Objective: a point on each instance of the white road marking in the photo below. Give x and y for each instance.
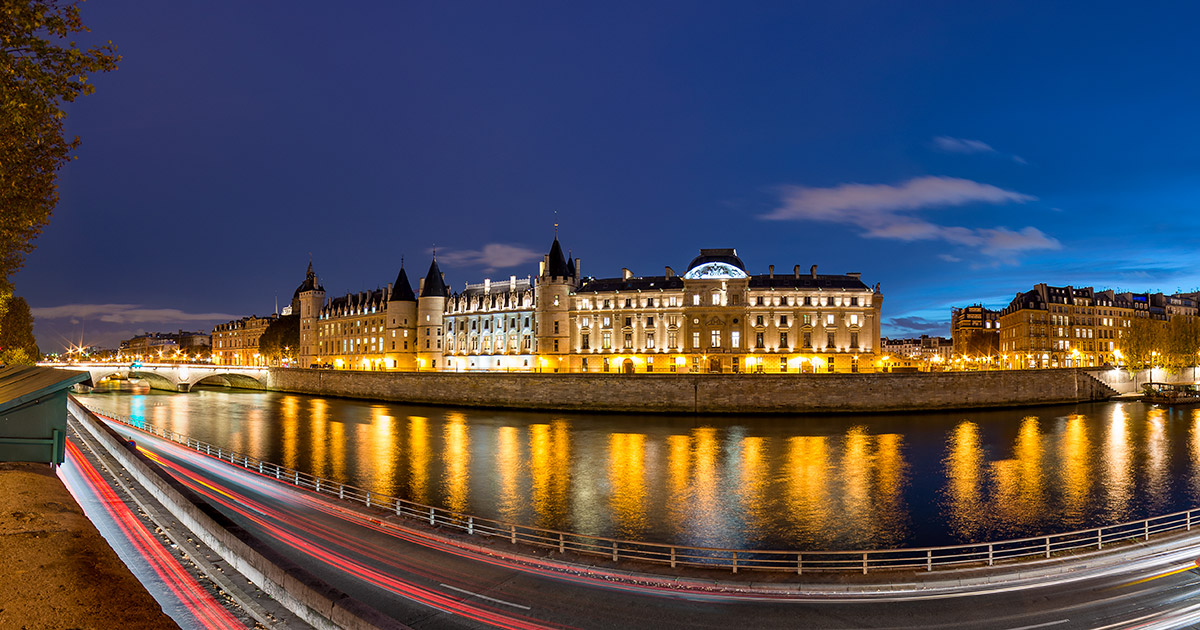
(1043, 625)
(490, 599)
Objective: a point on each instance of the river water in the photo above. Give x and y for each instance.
(790, 482)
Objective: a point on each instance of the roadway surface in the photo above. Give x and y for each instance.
(424, 583)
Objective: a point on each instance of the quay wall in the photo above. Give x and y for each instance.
(705, 393)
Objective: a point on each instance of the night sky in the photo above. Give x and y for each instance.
(955, 152)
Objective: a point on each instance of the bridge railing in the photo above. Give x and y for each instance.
(864, 561)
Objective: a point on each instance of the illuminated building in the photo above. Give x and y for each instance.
(236, 342)
(975, 331)
(715, 317)
(1077, 327)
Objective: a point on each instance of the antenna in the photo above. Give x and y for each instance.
(556, 225)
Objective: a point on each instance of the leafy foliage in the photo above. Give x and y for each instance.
(280, 340)
(17, 345)
(1144, 338)
(39, 72)
(1181, 345)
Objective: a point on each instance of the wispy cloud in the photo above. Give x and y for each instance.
(889, 211)
(969, 146)
(123, 314)
(961, 145)
(906, 326)
(493, 256)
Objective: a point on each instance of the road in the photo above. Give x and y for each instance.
(425, 583)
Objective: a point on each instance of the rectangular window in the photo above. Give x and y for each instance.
(587, 321)
(715, 339)
(628, 341)
(716, 299)
(556, 327)
(556, 345)
(627, 304)
(829, 341)
(854, 319)
(829, 320)
(807, 340)
(650, 341)
(649, 364)
(758, 321)
(606, 341)
(807, 300)
(628, 322)
(758, 301)
(696, 341)
(696, 300)
(672, 340)
(735, 339)
(585, 342)
(807, 320)
(783, 340)
(853, 301)
(607, 322)
(758, 340)
(650, 322)
(854, 340)
(783, 320)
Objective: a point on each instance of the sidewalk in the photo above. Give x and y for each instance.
(57, 570)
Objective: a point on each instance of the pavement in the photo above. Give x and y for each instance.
(57, 570)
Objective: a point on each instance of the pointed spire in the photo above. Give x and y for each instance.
(570, 263)
(557, 265)
(402, 289)
(434, 285)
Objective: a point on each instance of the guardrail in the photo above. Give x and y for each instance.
(916, 558)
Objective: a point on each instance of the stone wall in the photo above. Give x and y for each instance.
(704, 393)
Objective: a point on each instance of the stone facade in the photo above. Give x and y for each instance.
(706, 393)
(714, 318)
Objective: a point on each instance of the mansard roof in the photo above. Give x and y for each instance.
(434, 285)
(807, 281)
(401, 289)
(649, 283)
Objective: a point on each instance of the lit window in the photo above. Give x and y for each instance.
(735, 339)
(716, 299)
(715, 338)
(696, 340)
(696, 300)
(829, 320)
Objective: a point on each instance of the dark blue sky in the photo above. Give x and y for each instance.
(954, 152)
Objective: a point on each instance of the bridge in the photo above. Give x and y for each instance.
(175, 377)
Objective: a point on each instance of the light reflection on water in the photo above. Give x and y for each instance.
(807, 482)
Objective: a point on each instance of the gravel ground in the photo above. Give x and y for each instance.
(55, 568)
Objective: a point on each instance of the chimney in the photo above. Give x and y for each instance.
(855, 274)
(389, 291)
(670, 272)
(796, 271)
(771, 271)
(626, 273)
(813, 271)
(577, 271)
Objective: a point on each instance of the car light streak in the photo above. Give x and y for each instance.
(264, 517)
(199, 603)
(1187, 567)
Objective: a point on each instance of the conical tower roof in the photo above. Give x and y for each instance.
(570, 264)
(558, 264)
(402, 290)
(434, 285)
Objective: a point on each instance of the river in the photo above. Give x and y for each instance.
(771, 482)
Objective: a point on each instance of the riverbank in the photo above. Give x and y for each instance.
(58, 571)
(707, 393)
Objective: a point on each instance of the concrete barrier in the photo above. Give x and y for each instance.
(705, 393)
(309, 597)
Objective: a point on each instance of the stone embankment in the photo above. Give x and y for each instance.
(707, 393)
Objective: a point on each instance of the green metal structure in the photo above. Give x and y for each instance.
(33, 412)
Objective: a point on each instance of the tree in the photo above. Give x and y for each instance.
(17, 345)
(1142, 341)
(39, 72)
(1182, 347)
(281, 339)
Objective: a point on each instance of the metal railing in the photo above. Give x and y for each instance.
(864, 561)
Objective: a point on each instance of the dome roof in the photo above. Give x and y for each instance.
(309, 284)
(725, 260)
